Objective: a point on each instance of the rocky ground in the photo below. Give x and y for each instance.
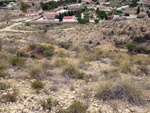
(73, 71)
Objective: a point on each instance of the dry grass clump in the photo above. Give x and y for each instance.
(75, 107)
(3, 74)
(4, 60)
(22, 54)
(125, 90)
(72, 71)
(48, 103)
(59, 62)
(35, 70)
(86, 92)
(17, 61)
(91, 55)
(141, 60)
(124, 63)
(37, 84)
(62, 53)
(77, 48)
(111, 74)
(4, 86)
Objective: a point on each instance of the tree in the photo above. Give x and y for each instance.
(101, 14)
(79, 1)
(83, 21)
(138, 10)
(96, 21)
(24, 6)
(60, 17)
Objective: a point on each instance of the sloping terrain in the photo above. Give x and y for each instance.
(119, 32)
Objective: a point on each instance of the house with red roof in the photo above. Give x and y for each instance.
(32, 14)
(69, 19)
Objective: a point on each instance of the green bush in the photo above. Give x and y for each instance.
(80, 75)
(96, 21)
(130, 46)
(17, 61)
(126, 14)
(46, 51)
(37, 84)
(27, 24)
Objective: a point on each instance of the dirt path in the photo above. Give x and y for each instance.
(9, 28)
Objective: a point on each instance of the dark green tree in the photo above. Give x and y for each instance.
(138, 10)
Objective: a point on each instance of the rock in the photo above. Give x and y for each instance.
(26, 111)
(104, 61)
(138, 110)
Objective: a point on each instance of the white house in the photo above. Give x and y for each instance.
(62, 11)
(123, 7)
(32, 14)
(49, 15)
(69, 19)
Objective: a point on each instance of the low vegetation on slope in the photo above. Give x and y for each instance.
(102, 73)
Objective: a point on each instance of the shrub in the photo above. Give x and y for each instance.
(46, 51)
(3, 86)
(22, 54)
(64, 45)
(86, 92)
(46, 103)
(70, 70)
(111, 74)
(75, 107)
(96, 21)
(62, 53)
(35, 72)
(37, 84)
(77, 48)
(97, 54)
(140, 16)
(144, 69)
(58, 62)
(125, 90)
(126, 14)
(4, 60)
(80, 75)
(3, 64)
(17, 61)
(3, 74)
(27, 24)
(104, 91)
(130, 46)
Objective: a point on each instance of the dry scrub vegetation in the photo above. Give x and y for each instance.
(116, 33)
(96, 75)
